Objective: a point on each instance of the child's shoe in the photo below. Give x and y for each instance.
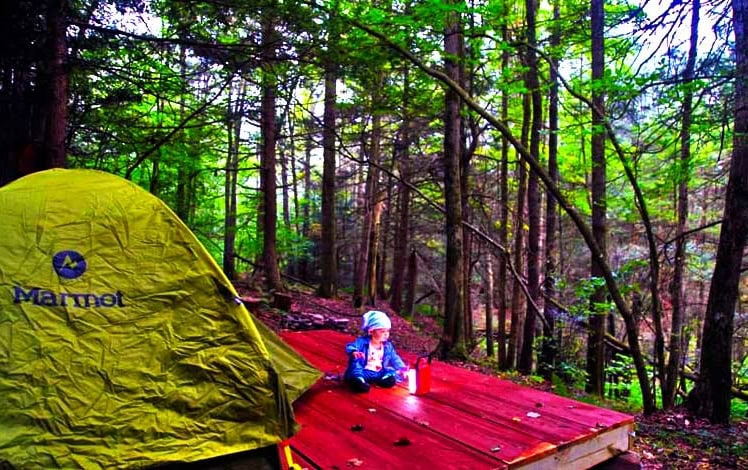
(387, 381)
(359, 385)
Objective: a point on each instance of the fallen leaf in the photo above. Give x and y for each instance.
(532, 414)
(538, 405)
(496, 449)
(372, 410)
(516, 420)
(403, 441)
(354, 462)
(423, 423)
(357, 427)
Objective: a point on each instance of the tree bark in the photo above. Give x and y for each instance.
(452, 342)
(410, 284)
(233, 122)
(489, 304)
(268, 130)
(710, 397)
(305, 211)
(548, 348)
(503, 215)
(516, 327)
(595, 344)
(184, 194)
(533, 196)
(55, 148)
(328, 253)
(402, 230)
(672, 374)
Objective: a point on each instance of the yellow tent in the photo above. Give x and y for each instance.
(122, 344)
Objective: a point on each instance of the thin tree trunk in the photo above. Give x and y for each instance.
(183, 195)
(595, 344)
(533, 197)
(305, 259)
(385, 232)
(286, 203)
(711, 396)
(155, 186)
(402, 230)
(233, 121)
(503, 215)
(293, 224)
(364, 241)
(515, 335)
(268, 130)
(489, 304)
(376, 220)
(376, 196)
(670, 387)
(328, 256)
(410, 284)
(549, 348)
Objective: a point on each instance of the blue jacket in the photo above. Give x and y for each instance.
(391, 362)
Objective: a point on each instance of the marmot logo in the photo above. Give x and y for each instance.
(69, 264)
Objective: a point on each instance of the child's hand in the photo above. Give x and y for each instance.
(358, 355)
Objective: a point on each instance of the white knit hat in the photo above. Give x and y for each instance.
(375, 319)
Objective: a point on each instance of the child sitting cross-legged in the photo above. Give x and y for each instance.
(372, 358)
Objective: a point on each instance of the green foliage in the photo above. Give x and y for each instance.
(428, 310)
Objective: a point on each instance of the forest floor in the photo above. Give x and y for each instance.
(664, 440)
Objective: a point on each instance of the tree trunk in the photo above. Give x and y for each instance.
(293, 192)
(328, 255)
(549, 348)
(410, 284)
(376, 222)
(503, 215)
(452, 342)
(710, 397)
(55, 148)
(233, 121)
(595, 344)
(183, 195)
(533, 197)
(268, 130)
(489, 305)
(367, 226)
(515, 335)
(402, 230)
(670, 387)
(376, 196)
(305, 258)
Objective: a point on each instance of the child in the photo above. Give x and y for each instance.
(371, 357)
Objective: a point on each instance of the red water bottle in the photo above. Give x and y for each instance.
(423, 375)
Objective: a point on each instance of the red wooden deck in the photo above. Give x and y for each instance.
(467, 421)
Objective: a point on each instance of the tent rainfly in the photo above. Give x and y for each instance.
(122, 343)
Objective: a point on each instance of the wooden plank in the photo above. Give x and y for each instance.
(448, 419)
(486, 414)
(487, 386)
(327, 437)
(491, 388)
(600, 448)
